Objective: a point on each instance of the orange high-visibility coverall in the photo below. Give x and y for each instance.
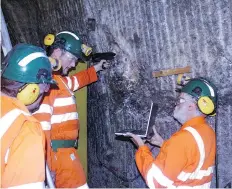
(22, 147)
(186, 159)
(59, 119)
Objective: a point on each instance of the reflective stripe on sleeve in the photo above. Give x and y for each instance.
(7, 120)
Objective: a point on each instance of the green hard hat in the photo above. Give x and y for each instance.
(72, 43)
(27, 64)
(199, 87)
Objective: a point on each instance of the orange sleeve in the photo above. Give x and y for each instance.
(163, 170)
(26, 161)
(81, 79)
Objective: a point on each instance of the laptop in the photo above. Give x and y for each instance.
(146, 133)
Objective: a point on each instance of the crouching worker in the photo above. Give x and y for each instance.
(186, 159)
(25, 76)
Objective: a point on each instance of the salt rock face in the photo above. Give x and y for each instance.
(149, 36)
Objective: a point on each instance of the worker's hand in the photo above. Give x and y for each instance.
(156, 139)
(136, 139)
(103, 64)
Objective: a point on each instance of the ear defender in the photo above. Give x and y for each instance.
(28, 94)
(86, 49)
(56, 64)
(49, 39)
(206, 105)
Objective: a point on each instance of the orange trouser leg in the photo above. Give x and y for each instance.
(68, 169)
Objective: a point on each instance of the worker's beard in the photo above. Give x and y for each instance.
(180, 115)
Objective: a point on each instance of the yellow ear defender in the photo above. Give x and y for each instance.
(28, 94)
(49, 39)
(56, 64)
(86, 49)
(205, 105)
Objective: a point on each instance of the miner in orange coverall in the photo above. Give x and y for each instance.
(25, 76)
(187, 159)
(58, 114)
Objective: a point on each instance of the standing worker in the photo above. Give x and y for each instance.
(58, 114)
(25, 76)
(187, 159)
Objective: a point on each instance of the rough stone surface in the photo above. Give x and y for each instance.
(30, 20)
(147, 35)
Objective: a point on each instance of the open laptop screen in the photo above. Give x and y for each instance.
(144, 133)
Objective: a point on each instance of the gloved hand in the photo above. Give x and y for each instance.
(103, 64)
(136, 139)
(156, 139)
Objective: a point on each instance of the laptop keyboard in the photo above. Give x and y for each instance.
(136, 132)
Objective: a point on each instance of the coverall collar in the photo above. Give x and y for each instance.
(194, 121)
